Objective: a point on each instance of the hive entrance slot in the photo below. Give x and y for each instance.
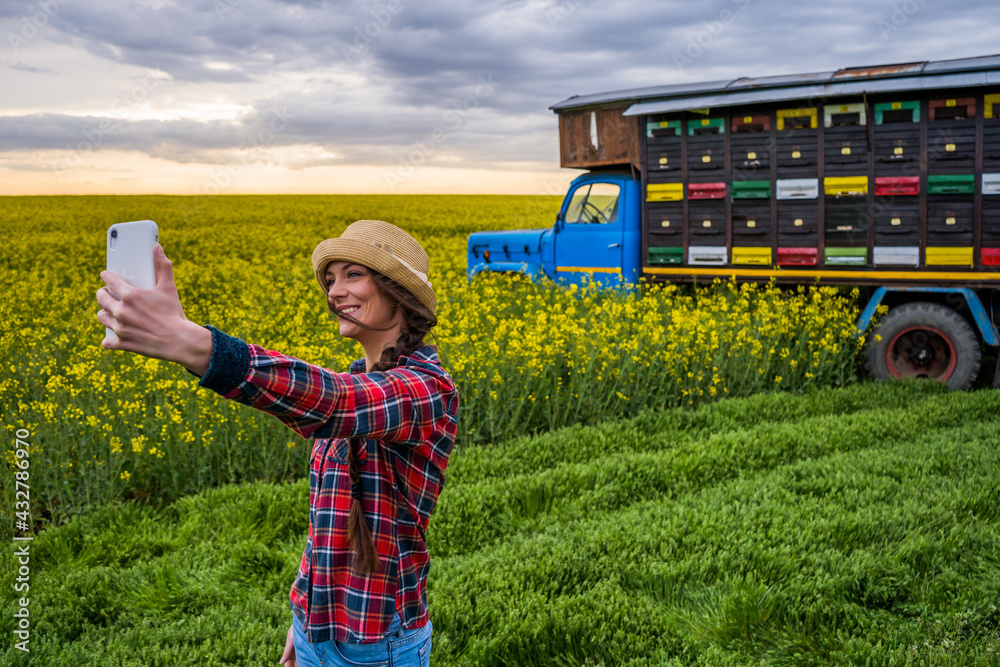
(951, 113)
(845, 119)
(897, 116)
(798, 123)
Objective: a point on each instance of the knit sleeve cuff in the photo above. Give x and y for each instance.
(229, 365)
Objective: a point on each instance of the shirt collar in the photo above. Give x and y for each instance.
(425, 353)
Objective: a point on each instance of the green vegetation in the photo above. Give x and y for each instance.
(841, 526)
(526, 357)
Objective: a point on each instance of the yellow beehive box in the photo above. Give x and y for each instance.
(992, 104)
(840, 186)
(756, 256)
(665, 192)
(949, 257)
(801, 117)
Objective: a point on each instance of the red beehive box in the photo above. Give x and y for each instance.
(797, 256)
(707, 191)
(991, 256)
(897, 185)
(741, 124)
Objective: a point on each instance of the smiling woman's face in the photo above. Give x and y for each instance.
(351, 289)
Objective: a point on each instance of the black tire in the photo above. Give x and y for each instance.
(922, 339)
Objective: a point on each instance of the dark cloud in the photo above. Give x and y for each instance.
(57, 131)
(425, 63)
(354, 134)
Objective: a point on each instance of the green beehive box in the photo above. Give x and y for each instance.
(846, 256)
(661, 256)
(951, 184)
(663, 128)
(706, 126)
(897, 109)
(751, 189)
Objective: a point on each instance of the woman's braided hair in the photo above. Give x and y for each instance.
(418, 321)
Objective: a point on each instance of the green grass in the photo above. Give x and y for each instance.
(850, 526)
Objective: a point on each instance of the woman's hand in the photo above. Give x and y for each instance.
(288, 657)
(151, 322)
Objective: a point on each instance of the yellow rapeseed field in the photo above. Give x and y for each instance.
(525, 356)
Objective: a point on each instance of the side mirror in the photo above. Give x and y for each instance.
(559, 218)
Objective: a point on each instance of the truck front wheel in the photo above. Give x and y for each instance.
(925, 340)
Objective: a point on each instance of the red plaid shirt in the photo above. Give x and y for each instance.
(408, 418)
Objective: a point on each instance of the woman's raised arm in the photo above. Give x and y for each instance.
(412, 404)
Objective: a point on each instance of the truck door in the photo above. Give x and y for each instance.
(589, 235)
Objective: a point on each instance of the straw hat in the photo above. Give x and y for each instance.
(383, 247)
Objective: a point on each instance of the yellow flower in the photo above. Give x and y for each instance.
(125, 475)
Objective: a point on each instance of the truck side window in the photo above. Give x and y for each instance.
(594, 203)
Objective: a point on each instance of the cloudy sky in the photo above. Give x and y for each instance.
(311, 96)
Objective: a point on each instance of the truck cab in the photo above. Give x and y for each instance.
(597, 233)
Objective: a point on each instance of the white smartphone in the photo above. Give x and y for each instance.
(130, 255)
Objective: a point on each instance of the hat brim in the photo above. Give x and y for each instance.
(360, 252)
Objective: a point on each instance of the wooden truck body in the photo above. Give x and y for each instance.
(885, 177)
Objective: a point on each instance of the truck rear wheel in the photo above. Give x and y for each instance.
(925, 340)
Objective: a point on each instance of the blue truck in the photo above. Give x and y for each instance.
(884, 177)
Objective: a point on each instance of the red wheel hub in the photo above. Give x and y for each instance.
(922, 352)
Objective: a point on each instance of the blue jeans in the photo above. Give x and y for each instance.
(399, 648)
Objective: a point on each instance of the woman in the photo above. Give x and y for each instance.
(384, 432)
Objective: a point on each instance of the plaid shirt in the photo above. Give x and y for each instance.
(408, 418)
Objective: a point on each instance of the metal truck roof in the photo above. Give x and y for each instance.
(926, 75)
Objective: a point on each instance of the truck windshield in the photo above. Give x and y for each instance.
(594, 203)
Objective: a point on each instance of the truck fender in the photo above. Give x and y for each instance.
(987, 329)
(530, 269)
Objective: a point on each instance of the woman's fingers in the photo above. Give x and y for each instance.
(105, 299)
(164, 267)
(109, 301)
(150, 322)
(116, 285)
(288, 657)
(106, 317)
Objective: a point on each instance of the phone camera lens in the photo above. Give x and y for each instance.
(114, 233)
